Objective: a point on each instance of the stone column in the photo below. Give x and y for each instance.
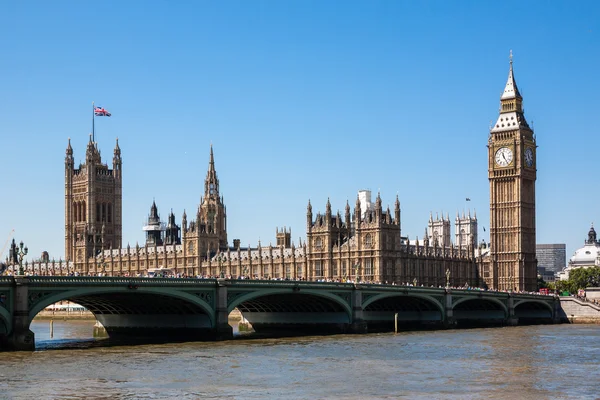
(512, 320)
(223, 331)
(21, 337)
(358, 324)
(448, 317)
(558, 315)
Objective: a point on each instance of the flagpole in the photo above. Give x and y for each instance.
(93, 127)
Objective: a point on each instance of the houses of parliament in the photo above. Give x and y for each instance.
(363, 243)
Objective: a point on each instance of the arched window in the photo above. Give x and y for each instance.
(319, 243)
(368, 240)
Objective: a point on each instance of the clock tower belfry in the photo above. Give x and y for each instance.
(512, 175)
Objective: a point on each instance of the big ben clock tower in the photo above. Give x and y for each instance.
(512, 175)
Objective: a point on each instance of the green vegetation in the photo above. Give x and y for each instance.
(580, 278)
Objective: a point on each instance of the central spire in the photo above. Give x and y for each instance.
(211, 183)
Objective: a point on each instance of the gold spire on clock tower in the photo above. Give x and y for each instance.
(512, 175)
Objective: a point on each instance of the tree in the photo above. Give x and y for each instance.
(580, 278)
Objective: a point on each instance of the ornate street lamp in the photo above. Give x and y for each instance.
(447, 277)
(221, 272)
(21, 253)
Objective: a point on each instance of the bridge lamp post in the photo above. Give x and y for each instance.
(21, 252)
(356, 270)
(221, 273)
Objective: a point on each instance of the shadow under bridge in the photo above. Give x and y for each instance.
(414, 311)
(295, 313)
(146, 314)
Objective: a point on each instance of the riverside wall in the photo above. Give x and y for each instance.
(577, 311)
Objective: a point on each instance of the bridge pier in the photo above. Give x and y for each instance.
(448, 321)
(223, 331)
(512, 319)
(358, 323)
(21, 338)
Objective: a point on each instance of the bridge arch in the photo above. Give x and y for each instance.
(428, 299)
(533, 310)
(491, 300)
(5, 321)
(103, 298)
(291, 311)
(540, 303)
(304, 292)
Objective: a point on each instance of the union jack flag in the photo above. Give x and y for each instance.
(101, 112)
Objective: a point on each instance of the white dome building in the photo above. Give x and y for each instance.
(585, 257)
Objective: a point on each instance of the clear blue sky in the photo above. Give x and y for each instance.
(301, 100)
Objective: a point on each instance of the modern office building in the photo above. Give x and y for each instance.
(553, 257)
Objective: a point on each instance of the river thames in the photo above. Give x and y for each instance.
(534, 362)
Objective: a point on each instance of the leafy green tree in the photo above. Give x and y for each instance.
(580, 278)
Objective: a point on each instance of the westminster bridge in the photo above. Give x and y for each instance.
(198, 309)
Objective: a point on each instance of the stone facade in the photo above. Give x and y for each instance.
(512, 173)
(93, 202)
(366, 245)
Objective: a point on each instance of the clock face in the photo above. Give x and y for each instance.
(529, 157)
(504, 156)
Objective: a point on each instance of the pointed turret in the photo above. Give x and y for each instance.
(184, 222)
(378, 208)
(69, 150)
(69, 162)
(211, 183)
(511, 91)
(347, 215)
(172, 231)
(117, 162)
(309, 216)
(511, 106)
(397, 210)
(91, 153)
(357, 212)
(154, 228)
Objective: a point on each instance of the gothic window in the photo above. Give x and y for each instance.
(97, 212)
(335, 268)
(191, 248)
(318, 268)
(299, 270)
(109, 209)
(103, 212)
(344, 269)
(368, 267)
(368, 240)
(319, 243)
